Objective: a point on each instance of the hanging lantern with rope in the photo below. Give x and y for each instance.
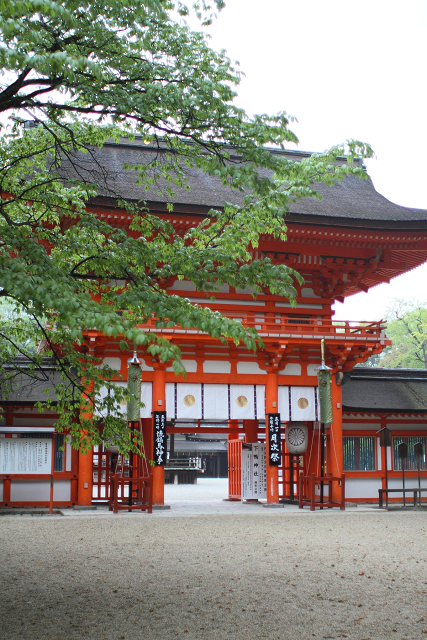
(324, 378)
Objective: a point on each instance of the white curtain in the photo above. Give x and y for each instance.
(242, 402)
(260, 402)
(283, 403)
(302, 403)
(189, 401)
(215, 399)
(146, 398)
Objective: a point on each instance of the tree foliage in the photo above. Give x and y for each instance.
(407, 329)
(84, 72)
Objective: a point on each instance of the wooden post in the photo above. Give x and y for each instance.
(251, 430)
(312, 492)
(52, 471)
(6, 491)
(85, 479)
(271, 399)
(342, 507)
(384, 460)
(336, 445)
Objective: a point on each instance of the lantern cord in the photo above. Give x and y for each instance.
(319, 445)
(309, 455)
(335, 451)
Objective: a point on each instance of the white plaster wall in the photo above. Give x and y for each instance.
(307, 292)
(33, 422)
(246, 290)
(216, 366)
(190, 366)
(223, 288)
(362, 487)
(114, 363)
(311, 369)
(291, 369)
(396, 483)
(62, 490)
(236, 303)
(249, 367)
(301, 305)
(28, 490)
(144, 366)
(183, 285)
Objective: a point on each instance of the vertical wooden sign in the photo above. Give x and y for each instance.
(254, 480)
(274, 440)
(160, 438)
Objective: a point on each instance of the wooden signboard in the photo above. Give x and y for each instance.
(274, 440)
(25, 455)
(160, 438)
(254, 473)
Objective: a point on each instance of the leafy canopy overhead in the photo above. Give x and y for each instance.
(85, 72)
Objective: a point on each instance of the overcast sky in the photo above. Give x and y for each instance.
(345, 70)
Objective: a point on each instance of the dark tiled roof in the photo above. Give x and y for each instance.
(385, 390)
(27, 389)
(351, 199)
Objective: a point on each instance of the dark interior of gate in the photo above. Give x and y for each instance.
(235, 450)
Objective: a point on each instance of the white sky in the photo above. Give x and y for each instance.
(345, 70)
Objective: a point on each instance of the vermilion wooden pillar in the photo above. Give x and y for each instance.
(336, 445)
(271, 395)
(85, 478)
(159, 404)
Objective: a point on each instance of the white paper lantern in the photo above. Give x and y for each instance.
(296, 435)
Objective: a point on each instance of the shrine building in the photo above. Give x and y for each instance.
(348, 242)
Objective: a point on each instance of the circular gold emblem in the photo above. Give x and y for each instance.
(303, 403)
(189, 400)
(242, 401)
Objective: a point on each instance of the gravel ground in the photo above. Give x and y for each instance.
(270, 574)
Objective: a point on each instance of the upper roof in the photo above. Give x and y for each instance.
(351, 199)
(385, 390)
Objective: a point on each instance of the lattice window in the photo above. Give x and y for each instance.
(359, 453)
(411, 460)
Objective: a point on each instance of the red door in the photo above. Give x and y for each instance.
(235, 469)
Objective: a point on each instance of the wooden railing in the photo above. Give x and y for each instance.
(311, 486)
(289, 327)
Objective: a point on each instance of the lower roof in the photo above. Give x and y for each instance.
(371, 390)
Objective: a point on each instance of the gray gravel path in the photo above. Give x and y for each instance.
(266, 574)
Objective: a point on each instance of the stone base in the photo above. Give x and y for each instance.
(273, 505)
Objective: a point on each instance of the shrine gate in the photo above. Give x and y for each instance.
(347, 242)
